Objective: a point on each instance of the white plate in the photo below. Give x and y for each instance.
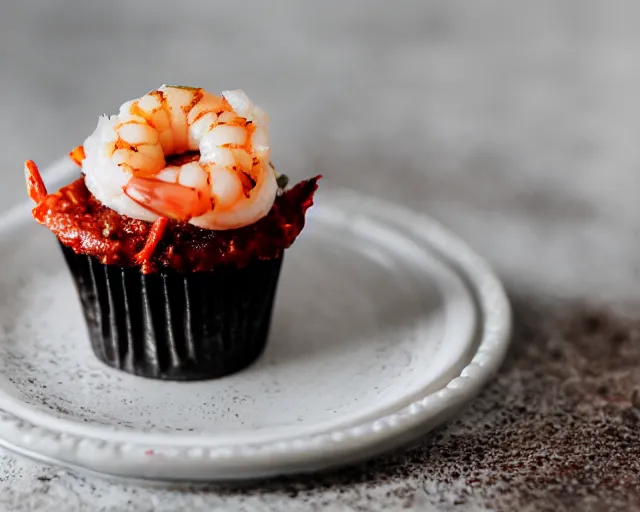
(385, 325)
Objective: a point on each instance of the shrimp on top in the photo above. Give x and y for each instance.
(231, 184)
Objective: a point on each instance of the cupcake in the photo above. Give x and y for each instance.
(175, 233)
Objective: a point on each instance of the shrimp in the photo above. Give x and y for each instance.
(129, 162)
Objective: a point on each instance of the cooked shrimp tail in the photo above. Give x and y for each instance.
(167, 199)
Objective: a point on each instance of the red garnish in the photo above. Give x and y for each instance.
(77, 155)
(82, 223)
(155, 235)
(35, 186)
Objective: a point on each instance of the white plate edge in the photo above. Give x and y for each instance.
(377, 435)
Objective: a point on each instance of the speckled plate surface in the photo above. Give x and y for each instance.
(385, 325)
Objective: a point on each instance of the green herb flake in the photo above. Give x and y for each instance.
(282, 181)
(185, 87)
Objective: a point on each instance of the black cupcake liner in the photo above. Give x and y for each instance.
(170, 326)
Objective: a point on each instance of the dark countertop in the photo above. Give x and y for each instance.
(514, 124)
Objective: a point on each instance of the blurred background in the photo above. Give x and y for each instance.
(515, 123)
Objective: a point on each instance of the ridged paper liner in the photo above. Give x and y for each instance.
(170, 326)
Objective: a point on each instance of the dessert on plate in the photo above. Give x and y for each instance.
(175, 233)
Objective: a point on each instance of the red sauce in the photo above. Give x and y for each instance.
(82, 223)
